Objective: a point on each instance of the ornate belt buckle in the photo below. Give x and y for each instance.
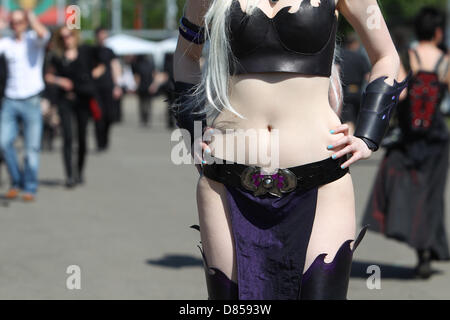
(283, 181)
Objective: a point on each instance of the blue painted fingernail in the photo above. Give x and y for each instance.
(332, 131)
(342, 167)
(334, 157)
(330, 147)
(203, 162)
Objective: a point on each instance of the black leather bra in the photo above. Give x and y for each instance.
(302, 42)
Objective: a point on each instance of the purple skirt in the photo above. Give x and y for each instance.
(271, 238)
(271, 233)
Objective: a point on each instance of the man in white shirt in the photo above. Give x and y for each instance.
(24, 53)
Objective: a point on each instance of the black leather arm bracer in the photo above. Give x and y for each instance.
(378, 101)
(185, 115)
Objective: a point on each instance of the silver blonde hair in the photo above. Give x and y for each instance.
(213, 90)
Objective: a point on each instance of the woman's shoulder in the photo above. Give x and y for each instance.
(432, 59)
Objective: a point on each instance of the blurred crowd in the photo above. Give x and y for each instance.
(53, 85)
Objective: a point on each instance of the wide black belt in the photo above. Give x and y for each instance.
(281, 181)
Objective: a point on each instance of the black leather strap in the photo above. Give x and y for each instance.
(438, 64)
(419, 61)
(308, 176)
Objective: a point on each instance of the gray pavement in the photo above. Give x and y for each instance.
(128, 229)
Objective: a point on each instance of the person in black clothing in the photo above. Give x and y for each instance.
(144, 72)
(70, 71)
(106, 74)
(355, 70)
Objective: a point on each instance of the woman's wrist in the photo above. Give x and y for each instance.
(370, 144)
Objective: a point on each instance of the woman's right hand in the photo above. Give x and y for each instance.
(200, 144)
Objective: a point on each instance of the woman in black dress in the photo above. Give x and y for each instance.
(70, 71)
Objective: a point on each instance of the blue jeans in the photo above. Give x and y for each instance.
(29, 112)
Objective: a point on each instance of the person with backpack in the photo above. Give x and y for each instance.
(407, 200)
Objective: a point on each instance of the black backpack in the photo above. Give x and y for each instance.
(424, 98)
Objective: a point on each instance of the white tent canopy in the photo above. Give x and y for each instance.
(123, 45)
(168, 45)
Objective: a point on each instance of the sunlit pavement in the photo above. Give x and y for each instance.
(128, 229)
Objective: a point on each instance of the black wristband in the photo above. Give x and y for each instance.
(377, 104)
(191, 31)
(192, 26)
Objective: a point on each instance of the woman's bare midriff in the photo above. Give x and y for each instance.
(296, 108)
(299, 108)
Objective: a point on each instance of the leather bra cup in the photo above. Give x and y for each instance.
(302, 42)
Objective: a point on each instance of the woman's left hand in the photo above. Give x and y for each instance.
(349, 144)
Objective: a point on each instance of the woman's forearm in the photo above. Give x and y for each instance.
(388, 65)
(187, 56)
(367, 19)
(186, 67)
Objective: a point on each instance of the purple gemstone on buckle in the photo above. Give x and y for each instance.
(257, 179)
(283, 181)
(280, 180)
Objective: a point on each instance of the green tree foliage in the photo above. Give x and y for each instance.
(153, 11)
(407, 9)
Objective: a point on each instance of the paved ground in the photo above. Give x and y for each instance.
(127, 230)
